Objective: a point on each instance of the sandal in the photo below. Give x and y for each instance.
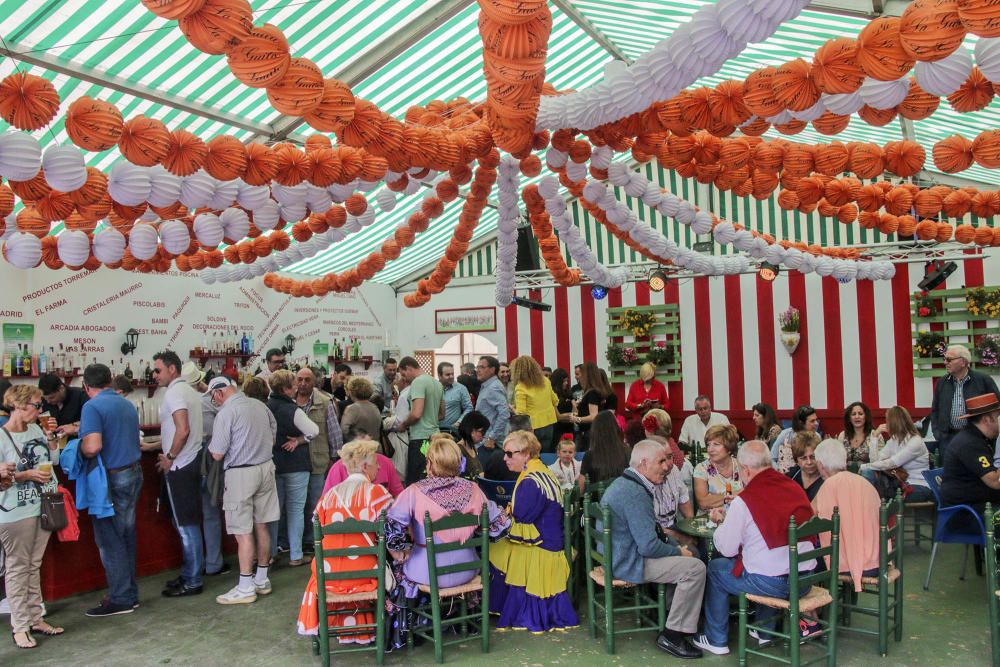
(305, 560)
(47, 630)
(26, 641)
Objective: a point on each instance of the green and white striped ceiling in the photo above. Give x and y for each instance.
(118, 51)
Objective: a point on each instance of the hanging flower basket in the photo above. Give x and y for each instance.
(929, 344)
(925, 304)
(638, 322)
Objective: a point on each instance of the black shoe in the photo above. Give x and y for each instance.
(108, 609)
(225, 569)
(175, 583)
(679, 649)
(181, 591)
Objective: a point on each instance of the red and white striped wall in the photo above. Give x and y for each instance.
(856, 338)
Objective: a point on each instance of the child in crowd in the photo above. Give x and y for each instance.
(566, 468)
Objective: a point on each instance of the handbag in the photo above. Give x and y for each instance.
(53, 513)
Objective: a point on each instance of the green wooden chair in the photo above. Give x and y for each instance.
(594, 490)
(571, 536)
(632, 597)
(372, 602)
(888, 585)
(805, 595)
(992, 586)
(478, 619)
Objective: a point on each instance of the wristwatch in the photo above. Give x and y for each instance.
(170, 457)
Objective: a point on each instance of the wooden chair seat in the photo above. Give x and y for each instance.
(816, 597)
(351, 597)
(894, 574)
(597, 574)
(474, 585)
(923, 503)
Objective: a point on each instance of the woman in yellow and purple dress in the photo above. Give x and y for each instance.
(528, 569)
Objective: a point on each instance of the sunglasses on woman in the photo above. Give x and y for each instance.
(509, 453)
(37, 406)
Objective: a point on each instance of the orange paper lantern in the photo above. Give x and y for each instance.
(835, 67)
(880, 52)
(28, 102)
(930, 30)
(218, 26)
(261, 59)
(973, 95)
(335, 109)
(144, 141)
(93, 125)
(300, 90)
(226, 159)
(794, 87)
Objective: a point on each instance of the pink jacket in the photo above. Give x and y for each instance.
(386, 476)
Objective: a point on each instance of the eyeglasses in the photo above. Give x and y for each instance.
(948, 360)
(509, 453)
(37, 406)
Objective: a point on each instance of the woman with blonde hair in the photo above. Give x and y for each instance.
(533, 396)
(659, 427)
(646, 393)
(528, 569)
(24, 444)
(359, 498)
(439, 494)
(905, 449)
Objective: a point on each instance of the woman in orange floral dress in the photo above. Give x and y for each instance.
(357, 497)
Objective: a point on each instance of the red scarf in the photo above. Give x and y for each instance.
(772, 498)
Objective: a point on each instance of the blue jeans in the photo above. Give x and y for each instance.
(293, 489)
(316, 483)
(722, 583)
(115, 537)
(211, 524)
(192, 549)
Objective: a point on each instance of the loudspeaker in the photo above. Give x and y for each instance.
(527, 251)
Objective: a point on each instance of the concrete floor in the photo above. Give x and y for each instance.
(947, 625)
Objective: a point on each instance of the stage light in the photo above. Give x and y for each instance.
(935, 274)
(528, 303)
(598, 292)
(768, 272)
(657, 280)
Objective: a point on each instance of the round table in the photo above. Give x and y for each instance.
(697, 526)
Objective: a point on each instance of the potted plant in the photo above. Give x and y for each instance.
(929, 344)
(924, 304)
(638, 322)
(789, 322)
(660, 354)
(983, 301)
(989, 351)
(614, 355)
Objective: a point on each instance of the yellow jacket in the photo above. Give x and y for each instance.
(539, 403)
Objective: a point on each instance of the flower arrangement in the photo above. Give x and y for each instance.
(789, 320)
(619, 355)
(983, 301)
(929, 344)
(989, 350)
(660, 354)
(630, 356)
(638, 322)
(924, 303)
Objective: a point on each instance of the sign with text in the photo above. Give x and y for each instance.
(465, 320)
(17, 334)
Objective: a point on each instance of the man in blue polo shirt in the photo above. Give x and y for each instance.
(109, 428)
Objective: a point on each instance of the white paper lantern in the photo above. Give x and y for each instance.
(724, 233)
(341, 191)
(844, 104)
(208, 230)
(810, 114)
(142, 241)
(943, 77)
(251, 197)
(318, 200)
(289, 195)
(740, 21)
(825, 266)
(267, 215)
(845, 271)
(235, 223)
(165, 188)
(793, 258)
(988, 57)
(73, 247)
(884, 94)
(65, 169)
(20, 156)
(23, 250)
(225, 194)
(109, 245)
(208, 275)
(293, 212)
(197, 190)
(128, 184)
(774, 254)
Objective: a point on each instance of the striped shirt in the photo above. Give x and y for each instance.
(244, 431)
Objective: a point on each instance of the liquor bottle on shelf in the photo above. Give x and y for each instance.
(244, 344)
(43, 362)
(18, 362)
(128, 370)
(112, 368)
(234, 342)
(147, 375)
(8, 365)
(61, 359)
(27, 360)
(70, 361)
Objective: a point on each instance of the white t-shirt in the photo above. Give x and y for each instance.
(694, 429)
(180, 396)
(566, 474)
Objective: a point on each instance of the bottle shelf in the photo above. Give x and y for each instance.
(64, 376)
(150, 388)
(204, 356)
(366, 360)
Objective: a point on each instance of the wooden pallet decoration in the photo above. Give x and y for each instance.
(666, 330)
(952, 310)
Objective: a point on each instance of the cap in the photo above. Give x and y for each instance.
(218, 382)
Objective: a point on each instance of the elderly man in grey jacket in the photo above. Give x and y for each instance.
(641, 554)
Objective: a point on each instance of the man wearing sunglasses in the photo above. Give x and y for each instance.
(181, 431)
(950, 393)
(274, 361)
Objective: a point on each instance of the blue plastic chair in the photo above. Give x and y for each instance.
(947, 535)
(497, 490)
(548, 458)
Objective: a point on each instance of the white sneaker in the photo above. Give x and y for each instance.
(761, 639)
(701, 641)
(264, 588)
(5, 607)
(44, 613)
(236, 596)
